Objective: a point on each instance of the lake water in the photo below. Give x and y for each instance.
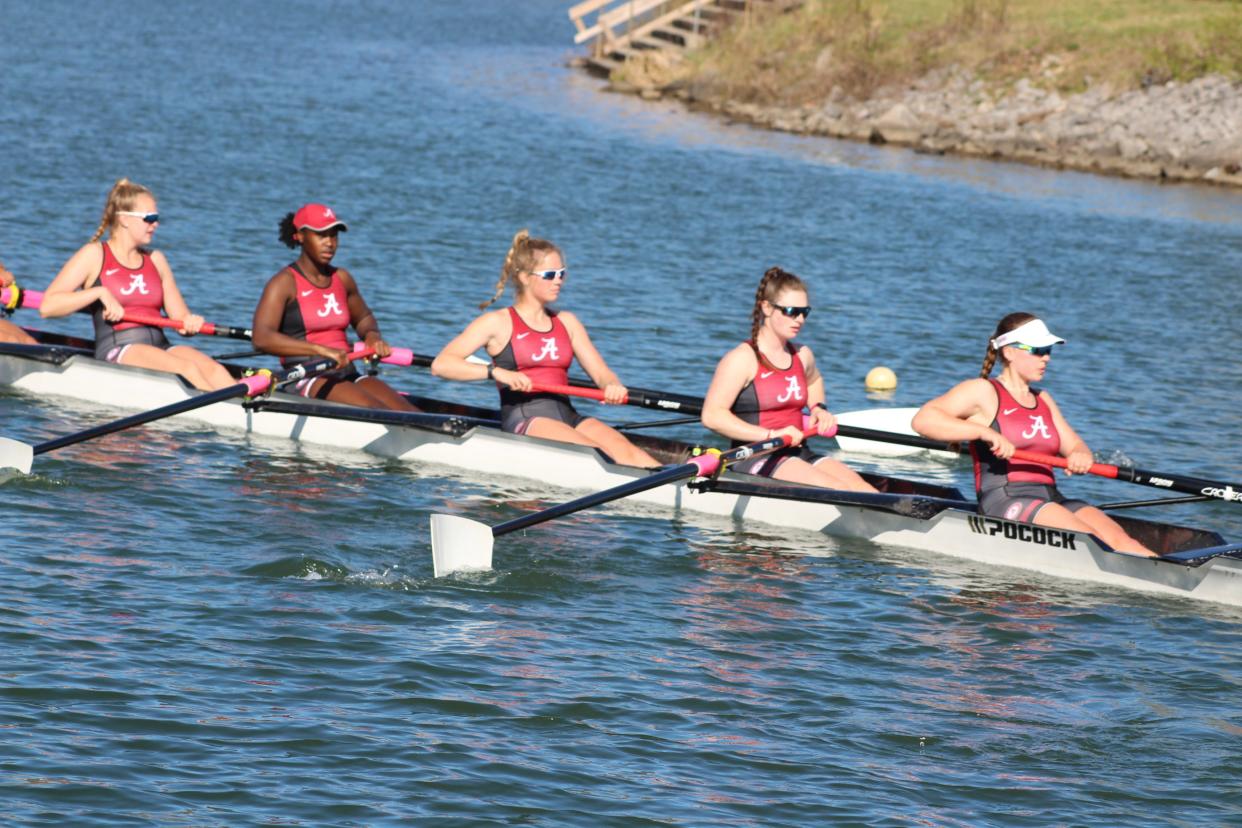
(205, 629)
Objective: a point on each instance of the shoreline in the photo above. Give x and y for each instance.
(1176, 132)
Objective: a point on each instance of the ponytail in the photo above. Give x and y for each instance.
(522, 255)
(121, 197)
(773, 282)
(1009, 323)
(287, 230)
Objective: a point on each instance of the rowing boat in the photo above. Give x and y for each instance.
(1197, 563)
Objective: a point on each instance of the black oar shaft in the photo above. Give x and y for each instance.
(201, 400)
(642, 484)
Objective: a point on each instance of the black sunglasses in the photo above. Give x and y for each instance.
(1045, 350)
(794, 310)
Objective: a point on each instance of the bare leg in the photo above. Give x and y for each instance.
(216, 374)
(828, 473)
(11, 333)
(615, 444)
(157, 359)
(385, 393)
(1093, 521)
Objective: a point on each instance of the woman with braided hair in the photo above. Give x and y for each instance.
(762, 386)
(997, 416)
(123, 274)
(530, 342)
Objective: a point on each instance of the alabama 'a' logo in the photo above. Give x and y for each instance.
(330, 307)
(1038, 426)
(136, 285)
(549, 350)
(793, 391)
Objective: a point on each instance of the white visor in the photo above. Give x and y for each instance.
(1034, 333)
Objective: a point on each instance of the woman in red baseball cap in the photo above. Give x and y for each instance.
(531, 343)
(307, 306)
(123, 274)
(997, 416)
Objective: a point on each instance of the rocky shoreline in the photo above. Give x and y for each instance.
(1168, 131)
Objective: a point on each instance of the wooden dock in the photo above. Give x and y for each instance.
(619, 29)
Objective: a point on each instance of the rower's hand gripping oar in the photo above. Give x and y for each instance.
(460, 544)
(1229, 492)
(18, 455)
(13, 297)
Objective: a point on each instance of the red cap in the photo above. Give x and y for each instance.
(317, 217)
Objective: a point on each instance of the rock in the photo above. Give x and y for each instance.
(1131, 148)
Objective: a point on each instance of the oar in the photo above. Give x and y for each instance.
(13, 297)
(18, 455)
(459, 543)
(643, 397)
(1229, 492)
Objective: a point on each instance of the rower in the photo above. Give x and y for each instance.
(997, 416)
(124, 273)
(8, 331)
(762, 386)
(306, 308)
(530, 343)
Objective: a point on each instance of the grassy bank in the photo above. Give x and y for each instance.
(860, 45)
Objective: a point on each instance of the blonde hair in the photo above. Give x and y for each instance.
(1009, 323)
(773, 282)
(522, 255)
(121, 197)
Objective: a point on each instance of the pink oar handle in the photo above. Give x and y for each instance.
(257, 383)
(573, 391)
(1101, 469)
(811, 432)
(25, 298)
(398, 356)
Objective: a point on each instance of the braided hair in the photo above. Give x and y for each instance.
(774, 281)
(121, 197)
(1009, 323)
(522, 255)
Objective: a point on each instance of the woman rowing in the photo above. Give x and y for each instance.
(307, 307)
(123, 275)
(8, 331)
(997, 416)
(531, 343)
(762, 386)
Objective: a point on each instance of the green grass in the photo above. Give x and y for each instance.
(861, 45)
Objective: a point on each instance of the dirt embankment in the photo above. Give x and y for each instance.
(1137, 111)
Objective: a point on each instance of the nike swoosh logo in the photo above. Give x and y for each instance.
(307, 292)
(522, 335)
(765, 375)
(1009, 411)
(110, 272)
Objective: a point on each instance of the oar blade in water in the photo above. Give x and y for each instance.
(459, 544)
(15, 454)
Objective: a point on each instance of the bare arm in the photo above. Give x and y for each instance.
(174, 302)
(489, 330)
(821, 418)
(65, 294)
(1073, 448)
(962, 414)
(591, 360)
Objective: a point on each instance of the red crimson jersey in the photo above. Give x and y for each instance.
(137, 289)
(774, 399)
(318, 315)
(1030, 429)
(544, 356)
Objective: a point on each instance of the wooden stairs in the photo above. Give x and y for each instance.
(620, 29)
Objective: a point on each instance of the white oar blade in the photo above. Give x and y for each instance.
(459, 544)
(15, 454)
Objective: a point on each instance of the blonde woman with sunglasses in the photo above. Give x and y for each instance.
(530, 343)
(998, 415)
(123, 273)
(762, 388)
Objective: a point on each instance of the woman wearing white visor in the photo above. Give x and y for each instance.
(999, 415)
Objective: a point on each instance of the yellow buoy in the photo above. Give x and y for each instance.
(880, 378)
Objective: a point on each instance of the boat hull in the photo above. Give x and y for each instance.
(916, 516)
